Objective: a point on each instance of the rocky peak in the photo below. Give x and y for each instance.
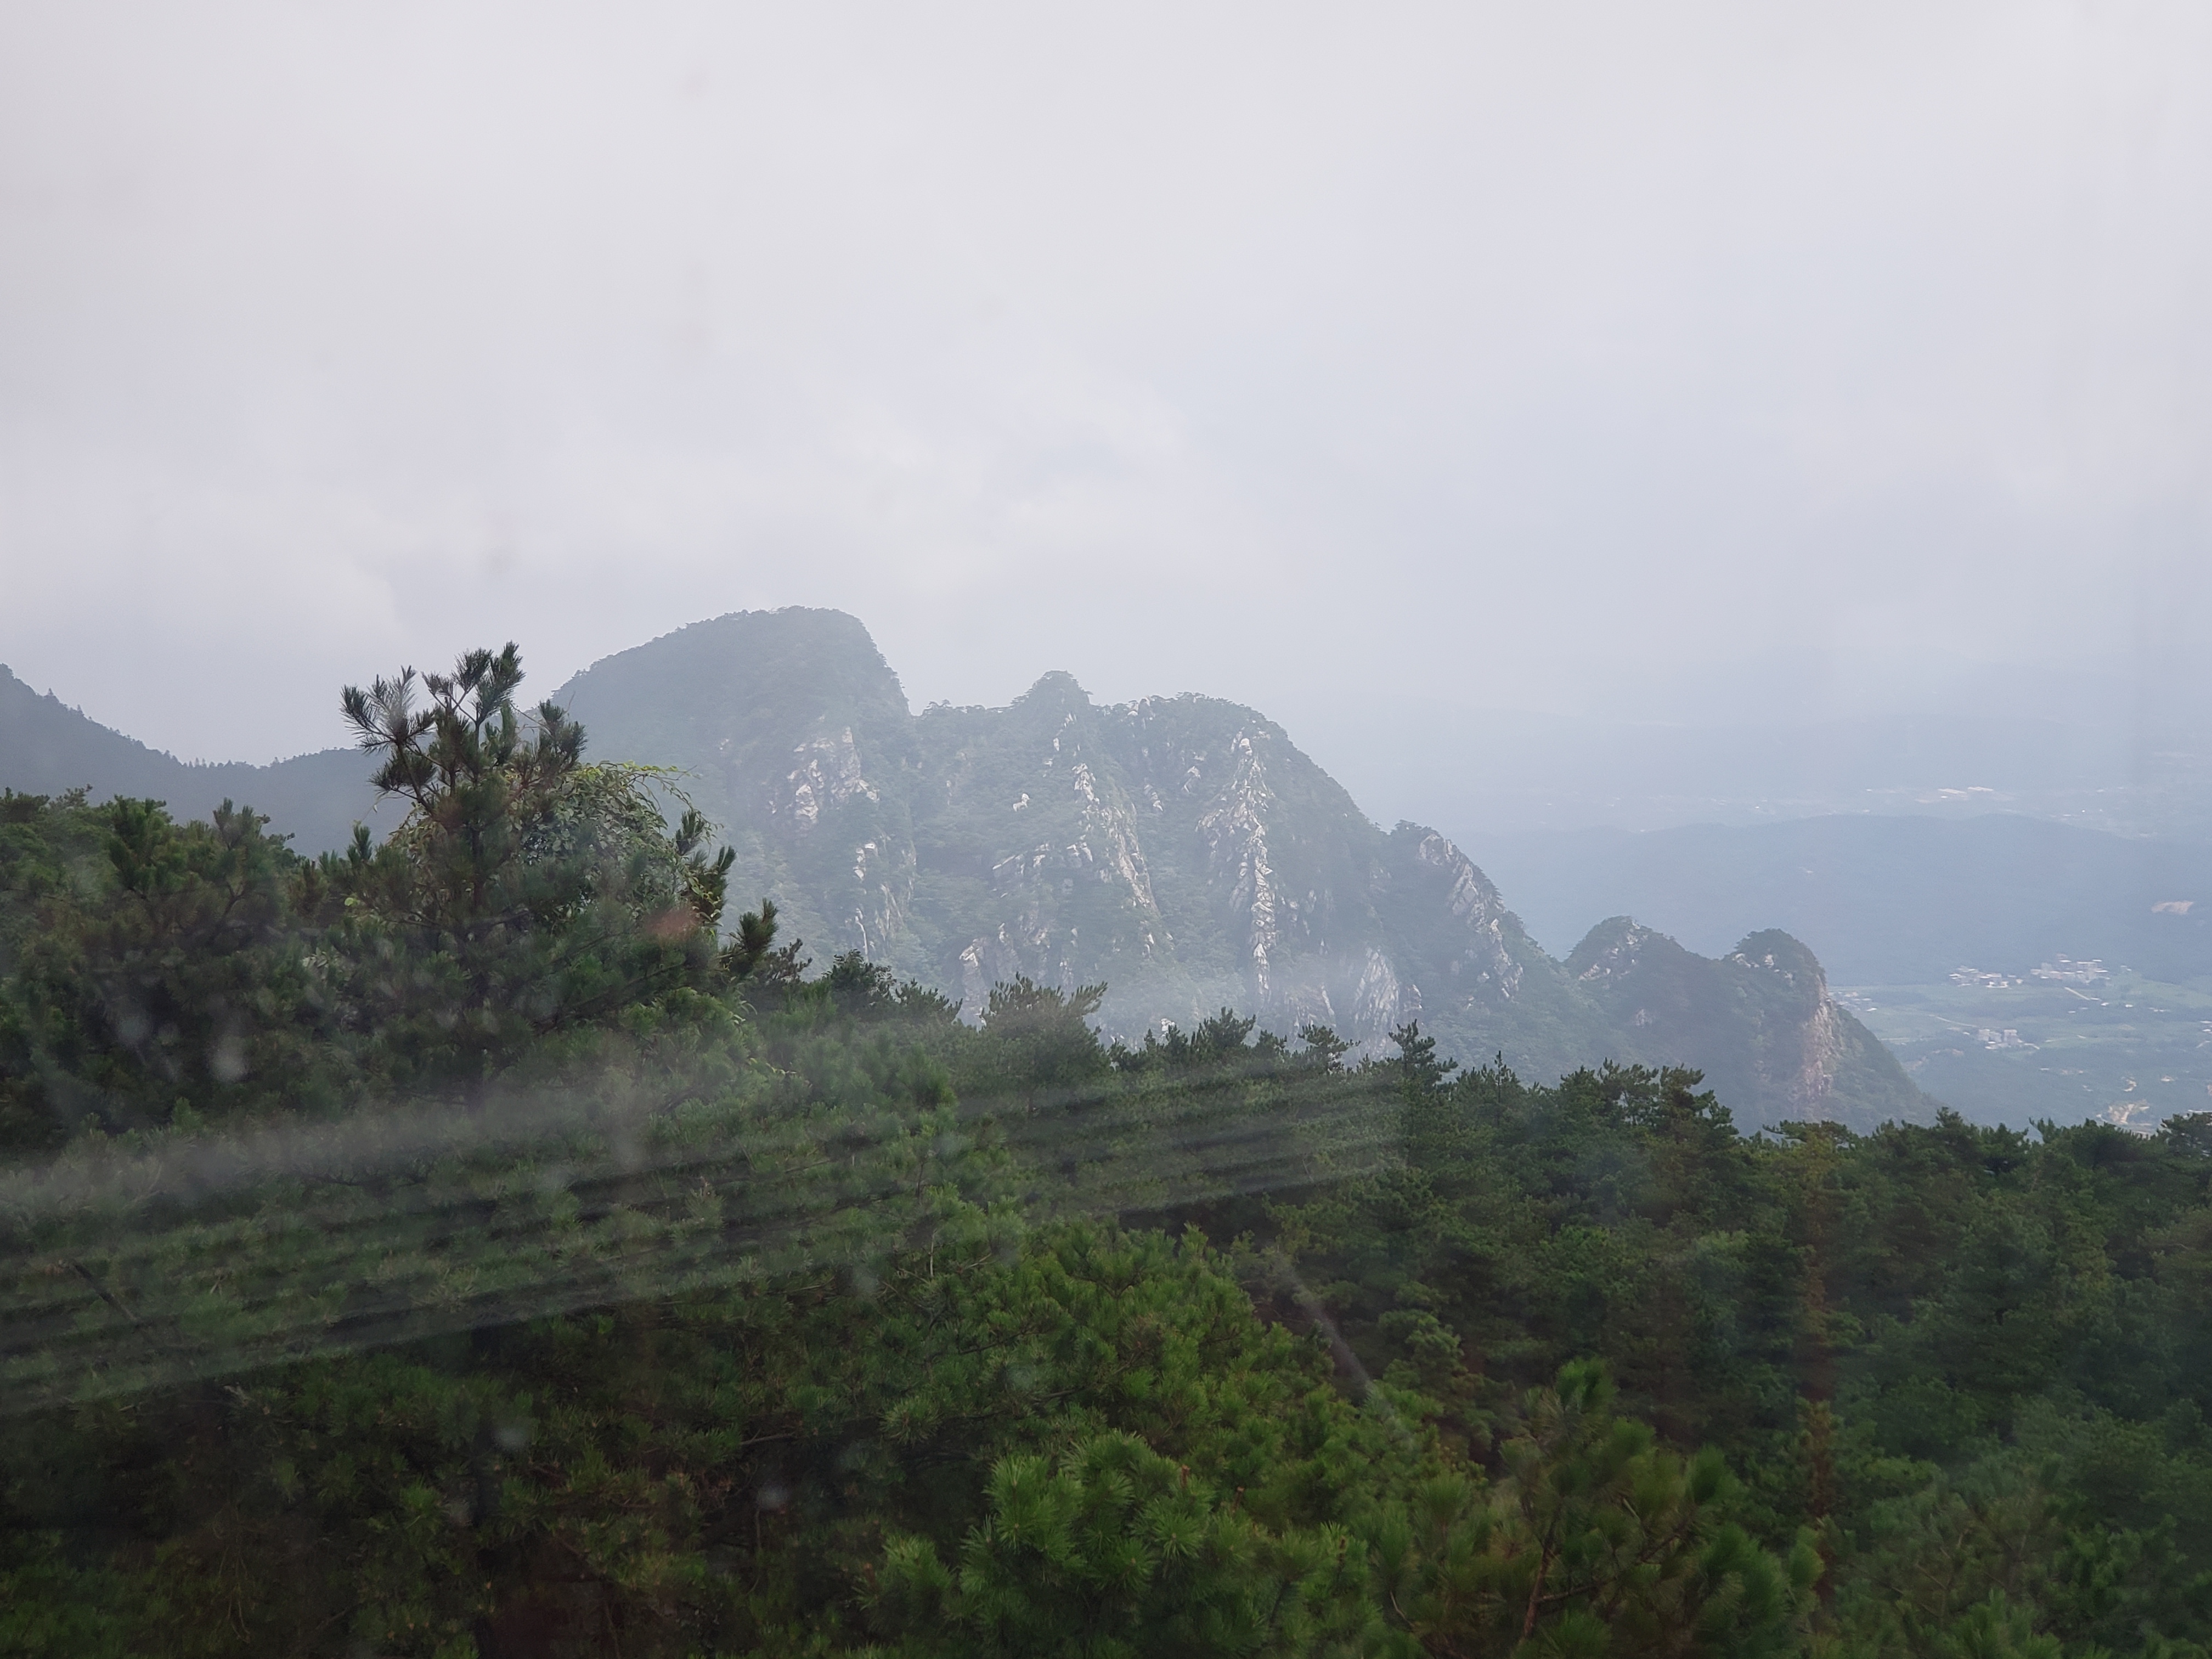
(1612, 951)
(1057, 690)
(1180, 850)
(1776, 952)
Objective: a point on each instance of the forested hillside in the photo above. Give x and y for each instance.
(472, 1244)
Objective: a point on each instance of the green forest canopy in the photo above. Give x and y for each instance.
(459, 1246)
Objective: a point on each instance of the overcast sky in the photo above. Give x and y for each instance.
(1343, 360)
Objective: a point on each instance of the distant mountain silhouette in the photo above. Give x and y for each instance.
(48, 748)
(1886, 901)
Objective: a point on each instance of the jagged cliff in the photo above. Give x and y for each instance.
(1184, 851)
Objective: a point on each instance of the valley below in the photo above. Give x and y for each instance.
(2130, 1050)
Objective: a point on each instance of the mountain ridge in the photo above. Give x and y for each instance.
(1180, 850)
(48, 748)
(1887, 901)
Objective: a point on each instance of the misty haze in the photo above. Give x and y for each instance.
(1182, 832)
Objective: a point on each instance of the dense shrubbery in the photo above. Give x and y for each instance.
(454, 1247)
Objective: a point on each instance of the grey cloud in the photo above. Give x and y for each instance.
(1323, 359)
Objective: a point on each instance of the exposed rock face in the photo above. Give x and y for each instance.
(1184, 851)
(828, 775)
